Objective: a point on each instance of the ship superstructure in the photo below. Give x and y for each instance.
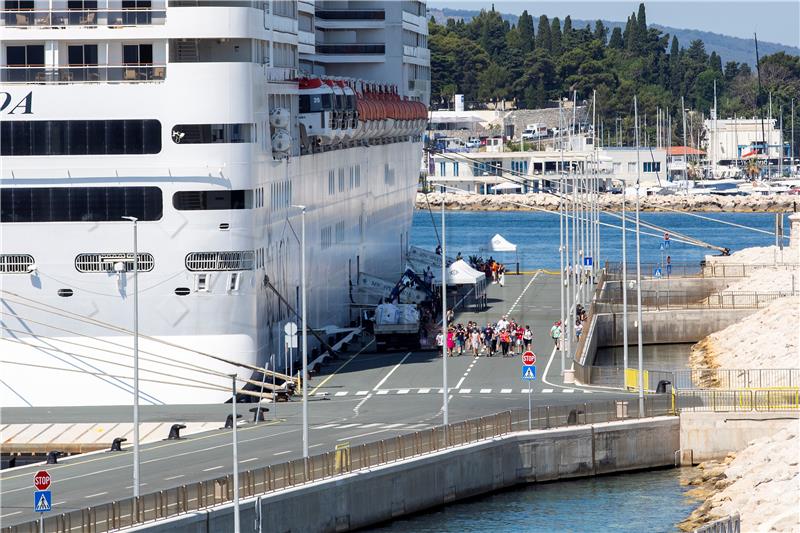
(209, 122)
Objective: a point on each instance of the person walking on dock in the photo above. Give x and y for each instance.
(440, 343)
(555, 334)
(578, 328)
(505, 340)
(527, 337)
(475, 340)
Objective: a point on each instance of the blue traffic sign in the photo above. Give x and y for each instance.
(587, 261)
(529, 372)
(42, 501)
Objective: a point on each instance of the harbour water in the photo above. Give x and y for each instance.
(624, 503)
(536, 235)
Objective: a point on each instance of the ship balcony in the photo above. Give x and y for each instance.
(82, 74)
(350, 53)
(62, 18)
(350, 19)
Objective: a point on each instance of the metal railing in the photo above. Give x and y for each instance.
(24, 18)
(729, 400)
(729, 524)
(667, 299)
(204, 494)
(82, 74)
(691, 270)
(712, 378)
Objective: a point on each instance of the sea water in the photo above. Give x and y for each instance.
(651, 501)
(536, 235)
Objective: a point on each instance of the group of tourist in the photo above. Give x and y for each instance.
(505, 337)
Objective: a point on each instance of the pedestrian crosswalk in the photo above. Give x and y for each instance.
(427, 390)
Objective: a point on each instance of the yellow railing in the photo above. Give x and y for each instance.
(723, 400)
(632, 378)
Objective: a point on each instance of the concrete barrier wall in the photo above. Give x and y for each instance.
(706, 435)
(386, 492)
(667, 326)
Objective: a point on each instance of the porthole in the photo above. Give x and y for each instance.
(182, 291)
(224, 226)
(65, 293)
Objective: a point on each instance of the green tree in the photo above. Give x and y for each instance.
(615, 41)
(641, 29)
(555, 36)
(630, 34)
(525, 31)
(601, 32)
(543, 41)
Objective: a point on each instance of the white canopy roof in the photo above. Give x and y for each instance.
(460, 273)
(498, 243)
(507, 186)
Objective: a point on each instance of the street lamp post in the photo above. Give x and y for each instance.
(304, 325)
(236, 527)
(445, 416)
(136, 480)
(638, 270)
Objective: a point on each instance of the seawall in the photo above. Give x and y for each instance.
(382, 493)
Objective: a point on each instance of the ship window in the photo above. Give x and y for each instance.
(79, 204)
(105, 262)
(212, 200)
(220, 261)
(233, 282)
(213, 133)
(202, 282)
(79, 137)
(137, 54)
(15, 263)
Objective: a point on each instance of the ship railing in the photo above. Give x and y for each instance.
(82, 74)
(344, 459)
(47, 18)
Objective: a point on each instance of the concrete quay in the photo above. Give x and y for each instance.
(379, 494)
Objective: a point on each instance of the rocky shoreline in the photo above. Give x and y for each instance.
(774, 203)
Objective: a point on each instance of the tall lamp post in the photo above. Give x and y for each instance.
(638, 270)
(445, 417)
(135, 355)
(304, 324)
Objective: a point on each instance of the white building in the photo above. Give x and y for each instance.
(479, 172)
(732, 139)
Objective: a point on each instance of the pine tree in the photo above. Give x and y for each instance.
(641, 29)
(567, 37)
(629, 35)
(555, 36)
(525, 30)
(675, 70)
(600, 31)
(615, 41)
(543, 41)
(715, 62)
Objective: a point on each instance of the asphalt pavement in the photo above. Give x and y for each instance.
(363, 396)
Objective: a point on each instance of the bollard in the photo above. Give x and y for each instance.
(116, 445)
(229, 421)
(52, 457)
(258, 413)
(175, 432)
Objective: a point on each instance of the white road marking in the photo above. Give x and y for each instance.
(376, 424)
(423, 391)
(402, 391)
(486, 391)
(362, 393)
(464, 391)
(170, 478)
(359, 404)
(511, 310)
(568, 390)
(525, 391)
(547, 391)
(128, 487)
(254, 459)
(213, 468)
(505, 391)
(458, 385)
(341, 393)
(326, 426)
(417, 426)
(57, 503)
(95, 495)
(283, 453)
(314, 445)
(12, 514)
(345, 426)
(395, 367)
(392, 426)
(381, 392)
(586, 391)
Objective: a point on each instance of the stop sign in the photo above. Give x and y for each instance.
(529, 358)
(41, 480)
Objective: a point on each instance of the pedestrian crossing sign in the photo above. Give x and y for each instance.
(42, 501)
(529, 372)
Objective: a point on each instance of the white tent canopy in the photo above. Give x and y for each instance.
(460, 273)
(498, 243)
(507, 186)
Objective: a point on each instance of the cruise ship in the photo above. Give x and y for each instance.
(210, 122)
